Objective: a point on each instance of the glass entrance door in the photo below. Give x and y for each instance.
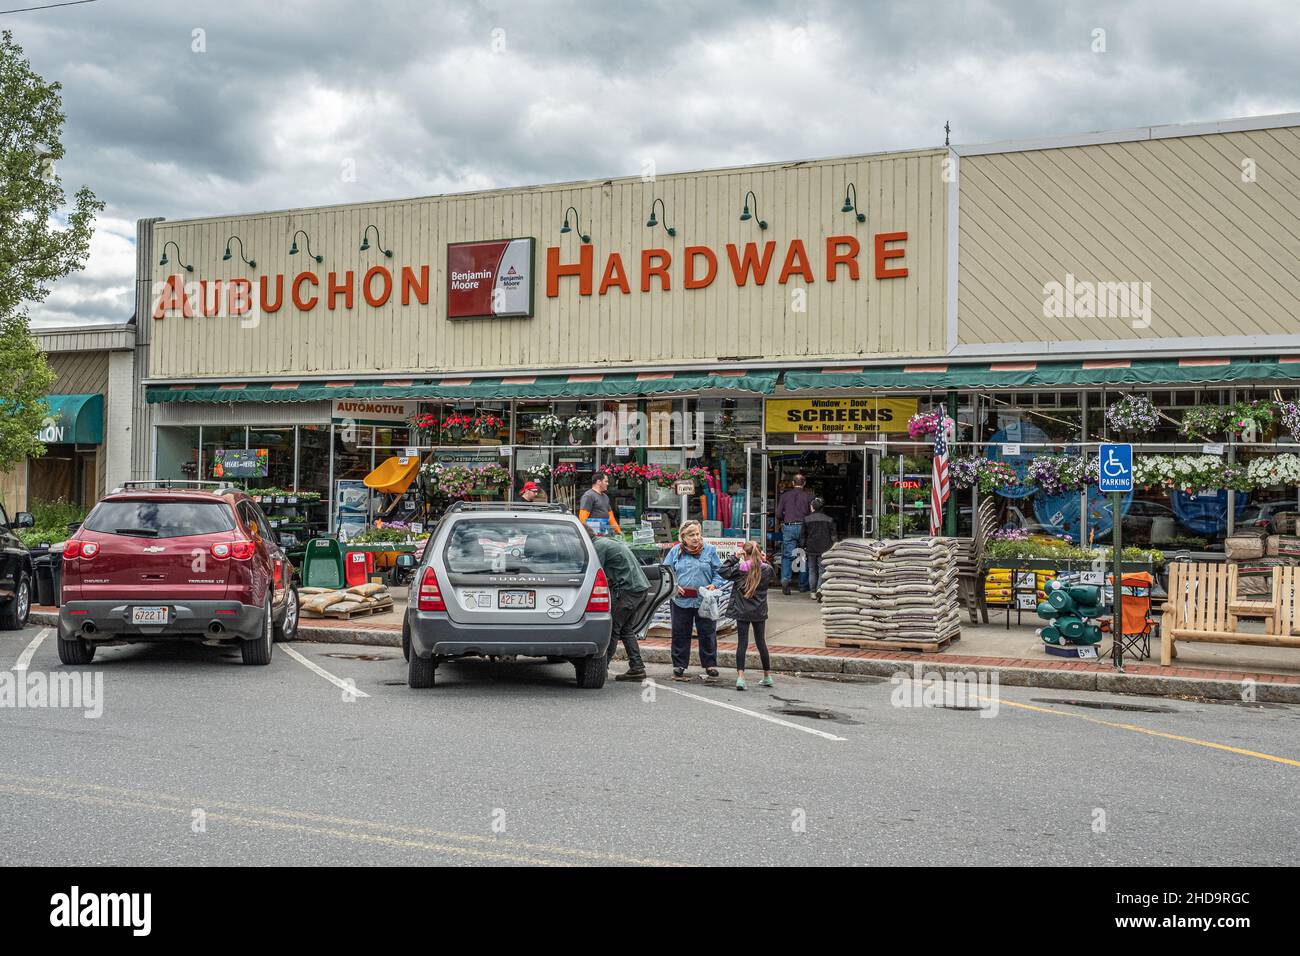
(847, 479)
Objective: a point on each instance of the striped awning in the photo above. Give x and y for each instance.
(593, 385)
(1034, 374)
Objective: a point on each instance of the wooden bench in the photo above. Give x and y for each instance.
(1203, 606)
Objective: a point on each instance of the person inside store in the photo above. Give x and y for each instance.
(594, 504)
(532, 492)
(816, 537)
(750, 576)
(696, 565)
(629, 589)
(793, 506)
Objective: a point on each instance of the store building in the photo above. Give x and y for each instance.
(87, 435)
(748, 321)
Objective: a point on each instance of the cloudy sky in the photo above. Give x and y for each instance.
(179, 108)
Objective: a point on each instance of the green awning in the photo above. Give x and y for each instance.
(1032, 374)
(74, 419)
(595, 385)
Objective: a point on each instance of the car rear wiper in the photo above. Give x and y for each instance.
(137, 532)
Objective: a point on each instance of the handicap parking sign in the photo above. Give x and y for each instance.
(1116, 468)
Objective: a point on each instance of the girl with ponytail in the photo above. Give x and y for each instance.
(750, 576)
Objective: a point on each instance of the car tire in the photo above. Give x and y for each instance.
(287, 629)
(258, 650)
(76, 651)
(592, 671)
(18, 607)
(420, 671)
(406, 640)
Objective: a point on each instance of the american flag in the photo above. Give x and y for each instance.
(940, 487)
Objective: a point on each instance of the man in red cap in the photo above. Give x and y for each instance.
(532, 492)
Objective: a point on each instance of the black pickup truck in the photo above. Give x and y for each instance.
(15, 572)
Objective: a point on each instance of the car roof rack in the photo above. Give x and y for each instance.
(554, 507)
(216, 487)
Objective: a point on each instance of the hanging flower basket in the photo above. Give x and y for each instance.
(1054, 474)
(581, 428)
(1245, 418)
(455, 428)
(1204, 421)
(1288, 414)
(986, 474)
(1133, 415)
(924, 424)
(1276, 470)
(548, 425)
(565, 473)
(486, 425)
(1190, 473)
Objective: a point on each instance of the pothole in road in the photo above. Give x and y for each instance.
(812, 714)
(1108, 705)
(362, 657)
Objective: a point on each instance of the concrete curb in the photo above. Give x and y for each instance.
(1147, 685)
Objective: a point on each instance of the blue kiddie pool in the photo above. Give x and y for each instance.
(1206, 513)
(1060, 513)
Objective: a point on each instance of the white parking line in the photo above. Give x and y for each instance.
(316, 668)
(750, 713)
(29, 651)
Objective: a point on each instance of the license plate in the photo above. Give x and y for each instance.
(526, 600)
(149, 615)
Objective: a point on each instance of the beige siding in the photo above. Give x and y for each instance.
(79, 373)
(844, 319)
(1221, 254)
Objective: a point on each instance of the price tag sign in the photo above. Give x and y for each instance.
(417, 527)
(505, 451)
(1011, 449)
(412, 453)
(1212, 450)
(622, 451)
(684, 488)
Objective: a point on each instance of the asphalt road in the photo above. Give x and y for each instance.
(197, 760)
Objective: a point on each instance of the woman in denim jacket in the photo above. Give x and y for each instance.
(695, 565)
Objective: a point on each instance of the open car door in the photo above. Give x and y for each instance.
(662, 584)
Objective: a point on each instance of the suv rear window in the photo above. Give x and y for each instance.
(160, 519)
(515, 546)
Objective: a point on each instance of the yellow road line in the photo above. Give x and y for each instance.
(1003, 702)
(241, 813)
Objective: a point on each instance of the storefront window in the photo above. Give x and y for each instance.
(220, 438)
(314, 458)
(178, 452)
(279, 446)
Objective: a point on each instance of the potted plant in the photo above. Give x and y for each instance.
(455, 427)
(486, 425)
(549, 425)
(1249, 420)
(924, 424)
(565, 473)
(581, 428)
(1133, 415)
(1202, 422)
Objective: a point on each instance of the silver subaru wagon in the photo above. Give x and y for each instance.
(513, 580)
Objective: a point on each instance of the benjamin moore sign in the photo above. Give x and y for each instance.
(490, 279)
(839, 415)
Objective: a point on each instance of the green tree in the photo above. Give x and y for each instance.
(40, 242)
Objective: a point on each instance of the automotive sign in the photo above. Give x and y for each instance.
(490, 279)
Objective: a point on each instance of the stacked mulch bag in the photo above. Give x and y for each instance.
(891, 590)
(326, 602)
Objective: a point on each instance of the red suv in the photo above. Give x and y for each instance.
(155, 562)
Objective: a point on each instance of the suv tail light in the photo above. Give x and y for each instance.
(74, 548)
(599, 600)
(430, 595)
(220, 551)
(242, 549)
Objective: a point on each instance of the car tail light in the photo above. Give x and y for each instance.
(430, 595)
(220, 551)
(599, 600)
(74, 548)
(243, 549)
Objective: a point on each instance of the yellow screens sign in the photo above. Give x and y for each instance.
(816, 415)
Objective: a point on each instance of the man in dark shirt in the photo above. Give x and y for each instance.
(595, 503)
(628, 588)
(794, 505)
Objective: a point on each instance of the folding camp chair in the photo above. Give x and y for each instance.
(1138, 623)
